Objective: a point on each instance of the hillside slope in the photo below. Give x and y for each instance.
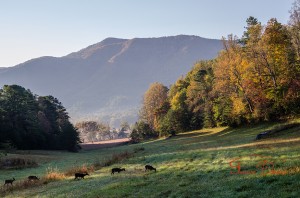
(193, 164)
(108, 79)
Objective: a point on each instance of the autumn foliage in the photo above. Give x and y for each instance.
(254, 78)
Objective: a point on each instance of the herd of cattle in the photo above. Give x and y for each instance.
(78, 175)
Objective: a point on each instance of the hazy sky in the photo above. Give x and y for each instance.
(34, 28)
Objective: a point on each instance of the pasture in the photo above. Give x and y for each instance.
(219, 162)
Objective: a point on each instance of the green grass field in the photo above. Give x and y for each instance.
(192, 164)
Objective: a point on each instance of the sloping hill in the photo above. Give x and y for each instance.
(201, 163)
(108, 79)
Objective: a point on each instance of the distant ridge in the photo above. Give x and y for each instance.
(107, 79)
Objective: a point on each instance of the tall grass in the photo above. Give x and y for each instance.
(17, 162)
(80, 169)
(20, 185)
(53, 174)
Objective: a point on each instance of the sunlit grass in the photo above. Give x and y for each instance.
(192, 164)
(54, 174)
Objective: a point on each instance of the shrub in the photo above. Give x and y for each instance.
(142, 131)
(17, 163)
(53, 174)
(7, 147)
(81, 169)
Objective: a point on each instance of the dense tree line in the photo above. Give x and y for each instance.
(255, 78)
(28, 121)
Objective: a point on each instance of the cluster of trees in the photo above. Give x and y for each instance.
(28, 121)
(255, 78)
(92, 131)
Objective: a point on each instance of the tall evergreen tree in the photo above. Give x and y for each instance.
(28, 122)
(19, 113)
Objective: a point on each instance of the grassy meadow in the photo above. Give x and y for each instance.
(219, 162)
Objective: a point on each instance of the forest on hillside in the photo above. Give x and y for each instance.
(255, 78)
(28, 121)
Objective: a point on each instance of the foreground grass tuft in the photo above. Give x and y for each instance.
(53, 174)
(80, 169)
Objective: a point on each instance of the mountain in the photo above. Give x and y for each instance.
(107, 80)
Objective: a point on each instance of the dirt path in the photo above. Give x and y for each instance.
(104, 144)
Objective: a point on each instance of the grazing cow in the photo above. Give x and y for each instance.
(261, 135)
(80, 175)
(149, 167)
(33, 178)
(117, 170)
(9, 181)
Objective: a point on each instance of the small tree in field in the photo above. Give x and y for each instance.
(142, 130)
(154, 99)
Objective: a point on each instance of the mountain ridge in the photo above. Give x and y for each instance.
(110, 77)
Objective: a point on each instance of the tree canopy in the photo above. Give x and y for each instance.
(28, 121)
(254, 78)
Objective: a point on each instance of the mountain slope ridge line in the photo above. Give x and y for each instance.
(114, 69)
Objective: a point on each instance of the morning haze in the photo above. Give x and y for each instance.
(106, 81)
(152, 98)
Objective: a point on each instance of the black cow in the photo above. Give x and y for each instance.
(80, 175)
(117, 170)
(149, 167)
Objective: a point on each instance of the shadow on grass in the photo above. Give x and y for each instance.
(197, 150)
(188, 135)
(219, 135)
(199, 182)
(193, 164)
(196, 164)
